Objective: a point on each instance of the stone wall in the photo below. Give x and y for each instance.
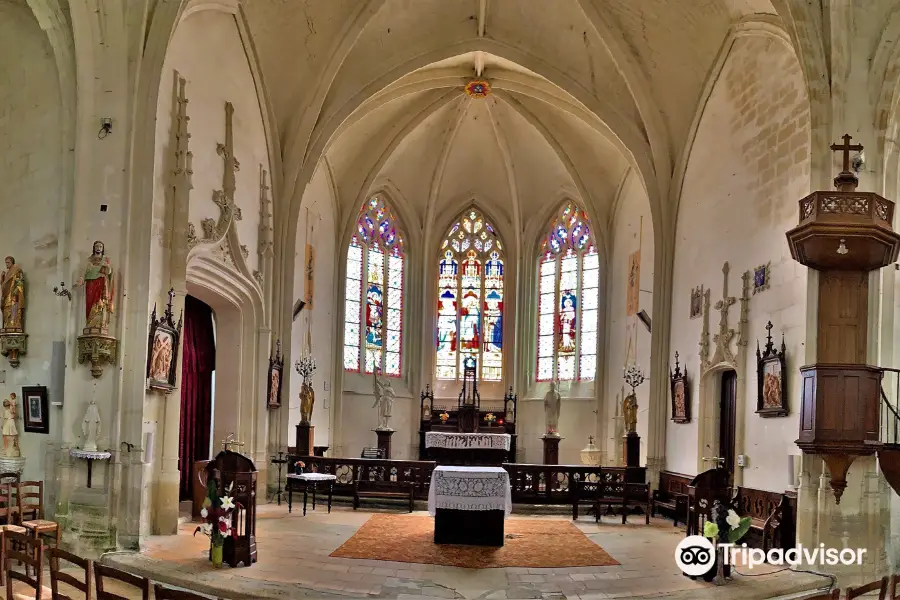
(748, 166)
(628, 339)
(35, 208)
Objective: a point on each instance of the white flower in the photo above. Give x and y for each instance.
(227, 502)
(206, 528)
(204, 513)
(733, 519)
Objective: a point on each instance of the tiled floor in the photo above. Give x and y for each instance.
(294, 563)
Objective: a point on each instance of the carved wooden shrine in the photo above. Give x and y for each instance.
(239, 470)
(844, 235)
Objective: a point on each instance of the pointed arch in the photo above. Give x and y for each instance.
(471, 267)
(568, 298)
(374, 282)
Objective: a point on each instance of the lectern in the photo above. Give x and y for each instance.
(469, 398)
(843, 234)
(239, 471)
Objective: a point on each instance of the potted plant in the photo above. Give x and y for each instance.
(490, 418)
(445, 416)
(299, 465)
(217, 516)
(725, 526)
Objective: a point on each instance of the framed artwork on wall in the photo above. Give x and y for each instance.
(36, 413)
(681, 399)
(761, 278)
(771, 373)
(276, 369)
(162, 348)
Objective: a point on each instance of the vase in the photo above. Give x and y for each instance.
(215, 555)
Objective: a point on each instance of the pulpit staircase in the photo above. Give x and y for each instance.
(889, 447)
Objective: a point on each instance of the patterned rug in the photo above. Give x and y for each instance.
(529, 543)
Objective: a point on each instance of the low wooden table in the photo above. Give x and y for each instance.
(309, 479)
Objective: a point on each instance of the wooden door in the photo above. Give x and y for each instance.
(727, 409)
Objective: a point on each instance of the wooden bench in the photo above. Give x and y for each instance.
(624, 495)
(671, 496)
(375, 481)
(771, 518)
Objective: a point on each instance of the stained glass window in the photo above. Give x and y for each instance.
(568, 299)
(470, 299)
(373, 293)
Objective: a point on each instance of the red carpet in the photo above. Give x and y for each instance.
(529, 543)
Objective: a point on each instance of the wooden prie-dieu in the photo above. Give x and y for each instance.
(240, 473)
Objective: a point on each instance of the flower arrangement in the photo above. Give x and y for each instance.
(217, 515)
(551, 431)
(734, 529)
(300, 466)
(490, 418)
(444, 416)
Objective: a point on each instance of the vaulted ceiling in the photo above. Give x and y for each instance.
(583, 91)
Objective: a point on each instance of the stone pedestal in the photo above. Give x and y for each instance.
(632, 450)
(305, 439)
(551, 449)
(12, 465)
(384, 440)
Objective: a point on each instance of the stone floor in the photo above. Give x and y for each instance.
(294, 563)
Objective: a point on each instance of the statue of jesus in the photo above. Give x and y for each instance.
(98, 291)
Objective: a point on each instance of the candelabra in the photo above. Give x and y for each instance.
(634, 376)
(305, 367)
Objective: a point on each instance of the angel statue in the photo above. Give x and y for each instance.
(384, 401)
(90, 427)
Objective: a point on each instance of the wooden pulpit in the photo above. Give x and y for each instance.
(239, 471)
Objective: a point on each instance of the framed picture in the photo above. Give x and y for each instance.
(696, 302)
(771, 374)
(761, 278)
(162, 348)
(276, 368)
(681, 398)
(36, 414)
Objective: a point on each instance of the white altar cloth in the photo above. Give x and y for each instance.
(469, 488)
(467, 441)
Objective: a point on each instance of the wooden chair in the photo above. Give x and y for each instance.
(880, 586)
(9, 511)
(57, 576)
(894, 587)
(102, 571)
(161, 592)
(3, 530)
(22, 548)
(834, 594)
(31, 511)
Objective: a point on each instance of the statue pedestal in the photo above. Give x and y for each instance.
(97, 348)
(305, 439)
(632, 450)
(384, 440)
(12, 344)
(12, 465)
(551, 449)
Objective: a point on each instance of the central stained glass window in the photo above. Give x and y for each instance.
(568, 298)
(470, 299)
(373, 293)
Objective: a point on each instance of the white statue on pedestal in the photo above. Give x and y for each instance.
(384, 402)
(552, 403)
(90, 427)
(10, 431)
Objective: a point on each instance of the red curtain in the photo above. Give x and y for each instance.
(197, 366)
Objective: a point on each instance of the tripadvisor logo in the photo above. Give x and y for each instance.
(695, 555)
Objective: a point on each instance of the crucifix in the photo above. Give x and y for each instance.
(846, 181)
(723, 338)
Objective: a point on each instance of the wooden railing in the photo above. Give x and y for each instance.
(531, 484)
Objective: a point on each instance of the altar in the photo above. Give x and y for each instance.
(469, 504)
(453, 448)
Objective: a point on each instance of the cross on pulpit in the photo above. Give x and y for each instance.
(846, 147)
(846, 181)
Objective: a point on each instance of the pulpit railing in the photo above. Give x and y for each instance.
(890, 406)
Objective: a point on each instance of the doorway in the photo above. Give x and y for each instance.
(197, 367)
(727, 415)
